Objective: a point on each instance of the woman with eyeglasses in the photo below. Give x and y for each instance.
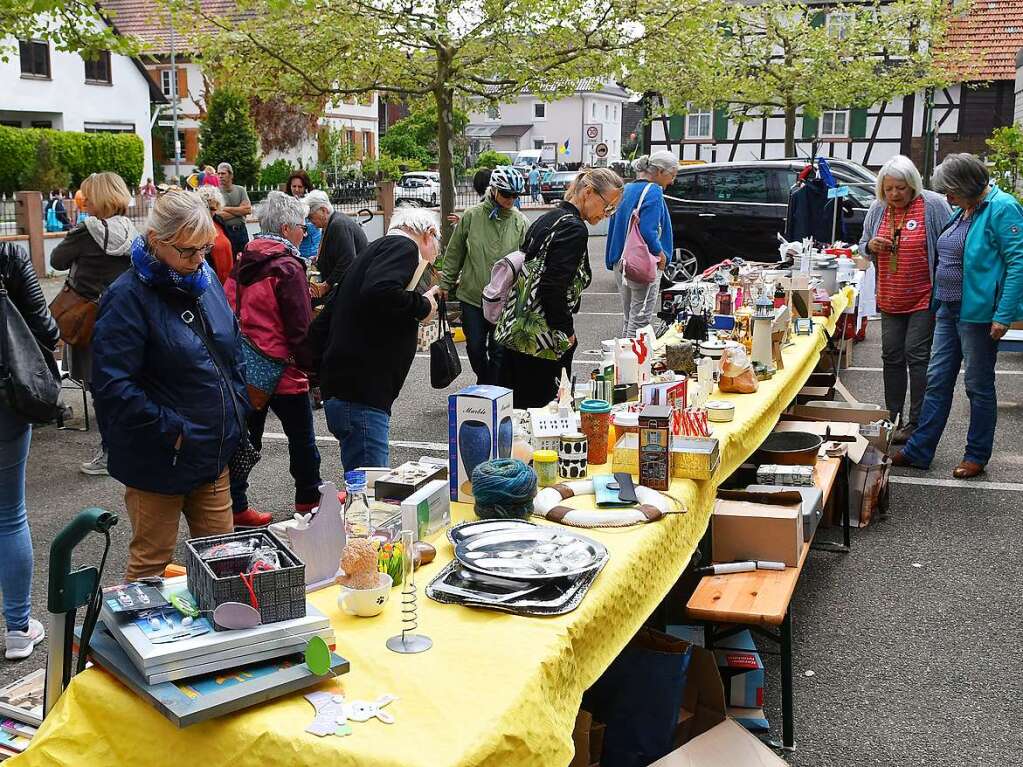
(536, 329)
(486, 232)
(269, 293)
(168, 385)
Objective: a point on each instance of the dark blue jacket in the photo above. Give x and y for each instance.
(153, 380)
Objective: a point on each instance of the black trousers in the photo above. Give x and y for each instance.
(533, 380)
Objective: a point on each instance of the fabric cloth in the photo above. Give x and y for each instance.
(480, 345)
(221, 258)
(15, 538)
(993, 261)
(531, 699)
(906, 344)
(310, 244)
(908, 288)
(275, 310)
(812, 214)
(343, 240)
(155, 517)
(937, 213)
(234, 197)
(638, 300)
(373, 326)
(948, 277)
(153, 272)
(362, 433)
(956, 342)
(654, 222)
(156, 381)
(477, 242)
(295, 413)
(534, 380)
(96, 255)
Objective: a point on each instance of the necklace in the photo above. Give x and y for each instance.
(893, 255)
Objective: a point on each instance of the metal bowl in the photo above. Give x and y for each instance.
(789, 448)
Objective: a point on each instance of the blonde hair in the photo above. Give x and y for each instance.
(180, 216)
(600, 180)
(214, 199)
(106, 194)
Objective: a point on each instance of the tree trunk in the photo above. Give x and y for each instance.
(790, 129)
(445, 156)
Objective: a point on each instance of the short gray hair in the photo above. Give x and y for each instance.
(317, 199)
(963, 175)
(225, 166)
(661, 160)
(278, 210)
(214, 199)
(415, 220)
(902, 168)
(180, 216)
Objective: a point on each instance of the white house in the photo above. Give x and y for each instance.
(570, 128)
(46, 88)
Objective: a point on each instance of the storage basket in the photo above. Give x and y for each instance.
(279, 594)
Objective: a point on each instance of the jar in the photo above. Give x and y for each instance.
(595, 422)
(545, 464)
(625, 422)
(572, 462)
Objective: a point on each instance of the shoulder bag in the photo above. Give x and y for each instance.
(638, 263)
(29, 382)
(445, 366)
(75, 314)
(262, 371)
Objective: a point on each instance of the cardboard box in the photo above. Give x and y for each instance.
(398, 484)
(841, 412)
(480, 428)
(691, 457)
(813, 504)
(709, 737)
(744, 529)
(427, 511)
(742, 671)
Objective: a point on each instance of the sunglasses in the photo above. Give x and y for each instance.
(189, 254)
(509, 195)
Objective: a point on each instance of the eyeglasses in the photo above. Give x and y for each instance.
(609, 208)
(189, 254)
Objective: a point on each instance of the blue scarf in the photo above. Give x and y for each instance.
(154, 272)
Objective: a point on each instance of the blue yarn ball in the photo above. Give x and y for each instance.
(503, 489)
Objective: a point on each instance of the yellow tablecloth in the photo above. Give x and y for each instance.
(495, 689)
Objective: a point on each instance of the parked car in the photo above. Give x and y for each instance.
(553, 186)
(737, 209)
(420, 188)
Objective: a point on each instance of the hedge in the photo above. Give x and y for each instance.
(79, 154)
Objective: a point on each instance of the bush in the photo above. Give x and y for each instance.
(389, 168)
(66, 154)
(227, 135)
(275, 173)
(491, 159)
(1006, 158)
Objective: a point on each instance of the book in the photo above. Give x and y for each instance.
(202, 698)
(23, 699)
(14, 727)
(16, 743)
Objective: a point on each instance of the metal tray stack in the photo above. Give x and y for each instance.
(518, 567)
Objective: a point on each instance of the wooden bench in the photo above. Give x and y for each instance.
(760, 600)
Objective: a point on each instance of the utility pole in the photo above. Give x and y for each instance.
(928, 131)
(174, 103)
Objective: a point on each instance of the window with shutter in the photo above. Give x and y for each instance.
(35, 58)
(97, 68)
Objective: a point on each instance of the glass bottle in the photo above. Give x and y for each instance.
(357, 514)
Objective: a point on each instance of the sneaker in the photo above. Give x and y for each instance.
(252, 518)
(97, 467)
(19, 644)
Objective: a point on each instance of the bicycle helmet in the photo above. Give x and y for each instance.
(506, 179)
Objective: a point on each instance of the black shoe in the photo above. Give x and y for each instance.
(901, 436)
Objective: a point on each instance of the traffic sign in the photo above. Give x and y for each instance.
(592, 133)
(600, 150)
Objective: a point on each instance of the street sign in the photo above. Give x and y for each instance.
(838, 191)
(592, 133)
(600, 150)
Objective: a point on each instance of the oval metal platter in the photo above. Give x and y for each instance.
(537, 554)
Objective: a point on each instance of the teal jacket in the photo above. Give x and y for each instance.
(993, 261)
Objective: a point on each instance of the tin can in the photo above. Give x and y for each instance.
(545, 464)
(572, 462)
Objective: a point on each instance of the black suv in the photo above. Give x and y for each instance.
(737, 209)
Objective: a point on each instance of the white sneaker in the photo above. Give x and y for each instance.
(97, 467)
(19, 644)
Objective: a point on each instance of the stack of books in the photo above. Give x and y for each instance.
(21, 712)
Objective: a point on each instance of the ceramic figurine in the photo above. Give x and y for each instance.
(317, 538)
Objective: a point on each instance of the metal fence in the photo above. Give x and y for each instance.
(8, 215)
(348, 196)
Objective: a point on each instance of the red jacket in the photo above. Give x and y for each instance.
(275, 306)
(222, 257)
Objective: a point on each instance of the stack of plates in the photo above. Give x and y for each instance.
(518, 567)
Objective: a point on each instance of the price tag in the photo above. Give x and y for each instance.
(838, 191)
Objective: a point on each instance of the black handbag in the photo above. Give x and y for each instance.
(29, 379)
(445, 366)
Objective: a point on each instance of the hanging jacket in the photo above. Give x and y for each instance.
(155, 381)
(275, 308)
(811, 214)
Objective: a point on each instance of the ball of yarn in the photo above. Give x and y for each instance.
(503, 489)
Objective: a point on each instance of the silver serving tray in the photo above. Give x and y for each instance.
(531, 554)
(466, 530)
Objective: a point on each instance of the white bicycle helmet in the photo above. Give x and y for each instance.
(506, 179)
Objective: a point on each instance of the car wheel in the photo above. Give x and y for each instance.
(546, 200)
(684, 266)
(406, 202)
(433, 200)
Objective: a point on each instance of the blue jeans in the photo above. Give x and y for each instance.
(15, 539)
(956, 342)
(483, 351)
(362, 432)
(296, 415)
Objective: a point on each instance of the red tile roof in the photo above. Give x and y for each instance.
(988, 37)
(146, 20)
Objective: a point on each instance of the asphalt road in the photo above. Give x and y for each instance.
(905, 649)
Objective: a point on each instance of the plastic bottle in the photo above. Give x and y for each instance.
(627, 367)
(357, 514)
